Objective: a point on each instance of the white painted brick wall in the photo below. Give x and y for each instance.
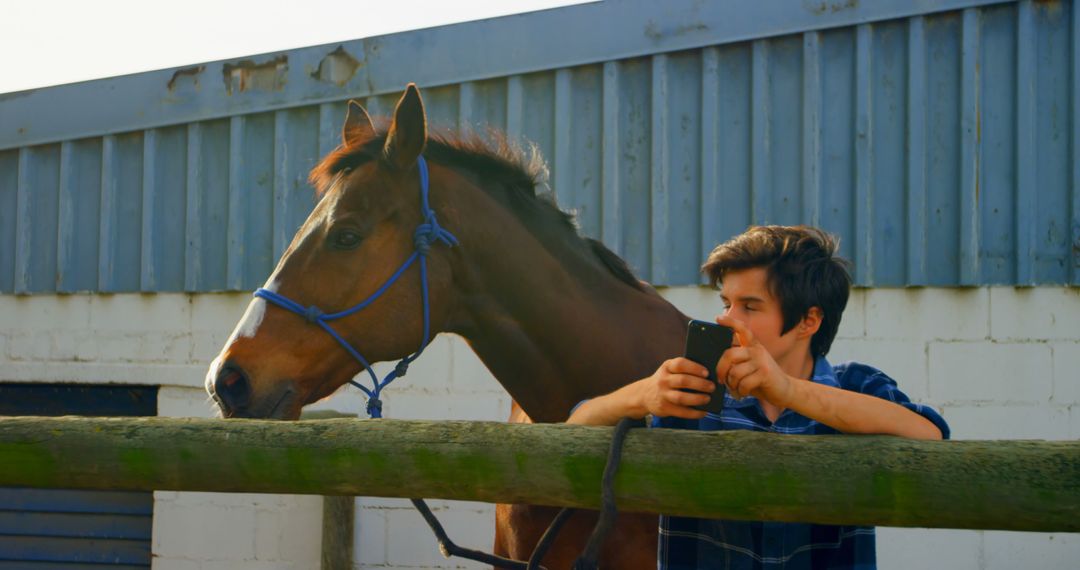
(854, 322)
(952, 314)
(916, 548)
(194, 528)
(1035, 313)
(126, 339)
(1010, 550)
(991, 371)
(370, 535)
(1016, 421)
(998, 362)
(1066, 390)
(45, 313)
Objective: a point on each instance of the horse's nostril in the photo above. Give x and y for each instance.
(232, 389)
(232, 379)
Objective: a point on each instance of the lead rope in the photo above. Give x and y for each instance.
(589, 557)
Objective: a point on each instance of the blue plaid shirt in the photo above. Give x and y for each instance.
(698, 544)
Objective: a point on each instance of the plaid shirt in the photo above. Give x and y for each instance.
(693, 544)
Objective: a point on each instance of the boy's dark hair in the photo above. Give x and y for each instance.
(802, 269)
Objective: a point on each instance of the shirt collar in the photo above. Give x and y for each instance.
(823, 374)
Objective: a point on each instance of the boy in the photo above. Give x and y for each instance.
(784, 291)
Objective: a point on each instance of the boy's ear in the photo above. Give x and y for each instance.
(811, 321)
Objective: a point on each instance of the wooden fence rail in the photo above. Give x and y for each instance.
(1013, 485)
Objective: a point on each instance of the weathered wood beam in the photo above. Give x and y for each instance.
(1014, 485)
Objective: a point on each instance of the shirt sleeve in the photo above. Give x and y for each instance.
(877, 383)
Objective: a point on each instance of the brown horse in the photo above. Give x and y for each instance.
(556, 317)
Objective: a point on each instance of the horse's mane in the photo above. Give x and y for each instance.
(515, 176)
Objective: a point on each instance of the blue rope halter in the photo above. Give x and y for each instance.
(427, 232)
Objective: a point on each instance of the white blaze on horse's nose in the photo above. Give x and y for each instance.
(253, 316)
(249, 323)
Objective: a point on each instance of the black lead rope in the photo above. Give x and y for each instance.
(548, 538)
(588, 558)
(448, 548)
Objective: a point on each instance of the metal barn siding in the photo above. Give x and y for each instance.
(937, 138)
(75, 530)
(52, 529)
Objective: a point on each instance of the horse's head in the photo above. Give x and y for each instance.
(361, 232)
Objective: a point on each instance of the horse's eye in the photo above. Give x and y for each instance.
(346, 239)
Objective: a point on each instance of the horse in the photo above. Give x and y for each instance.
(555, 316)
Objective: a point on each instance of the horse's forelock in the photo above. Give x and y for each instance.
(323, 174)
(344, 156)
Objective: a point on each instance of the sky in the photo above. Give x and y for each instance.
(52, 42)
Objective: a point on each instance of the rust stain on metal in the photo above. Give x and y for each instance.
(339, 66)
(371, 53)
(186, 73)
(691, 28)
(1050, 9)
(652, 32)
(655, 33)
(822, 7)
(246, 75)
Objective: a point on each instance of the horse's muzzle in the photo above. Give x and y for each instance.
(232, 391)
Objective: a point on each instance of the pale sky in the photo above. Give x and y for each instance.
(51, 42)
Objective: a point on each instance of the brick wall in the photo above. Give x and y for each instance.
(997, 362)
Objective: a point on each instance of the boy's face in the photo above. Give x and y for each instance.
(747, 298)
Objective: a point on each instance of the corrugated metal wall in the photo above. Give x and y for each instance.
(941, 144)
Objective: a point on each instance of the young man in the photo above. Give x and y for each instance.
(784, 290)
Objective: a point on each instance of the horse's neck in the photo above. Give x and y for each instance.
(555, 327)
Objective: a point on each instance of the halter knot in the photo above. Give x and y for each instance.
(401, 369)
(312, 314)
(429, 232)
(374, 407)
(422, 242)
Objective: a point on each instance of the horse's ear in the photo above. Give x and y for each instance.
(408, 133)
(358, 126)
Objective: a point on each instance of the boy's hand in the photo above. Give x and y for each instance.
(662, 393)
(749, 370)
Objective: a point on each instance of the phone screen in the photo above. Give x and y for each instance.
(705, 344)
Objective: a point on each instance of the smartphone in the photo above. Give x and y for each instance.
(705, 344)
